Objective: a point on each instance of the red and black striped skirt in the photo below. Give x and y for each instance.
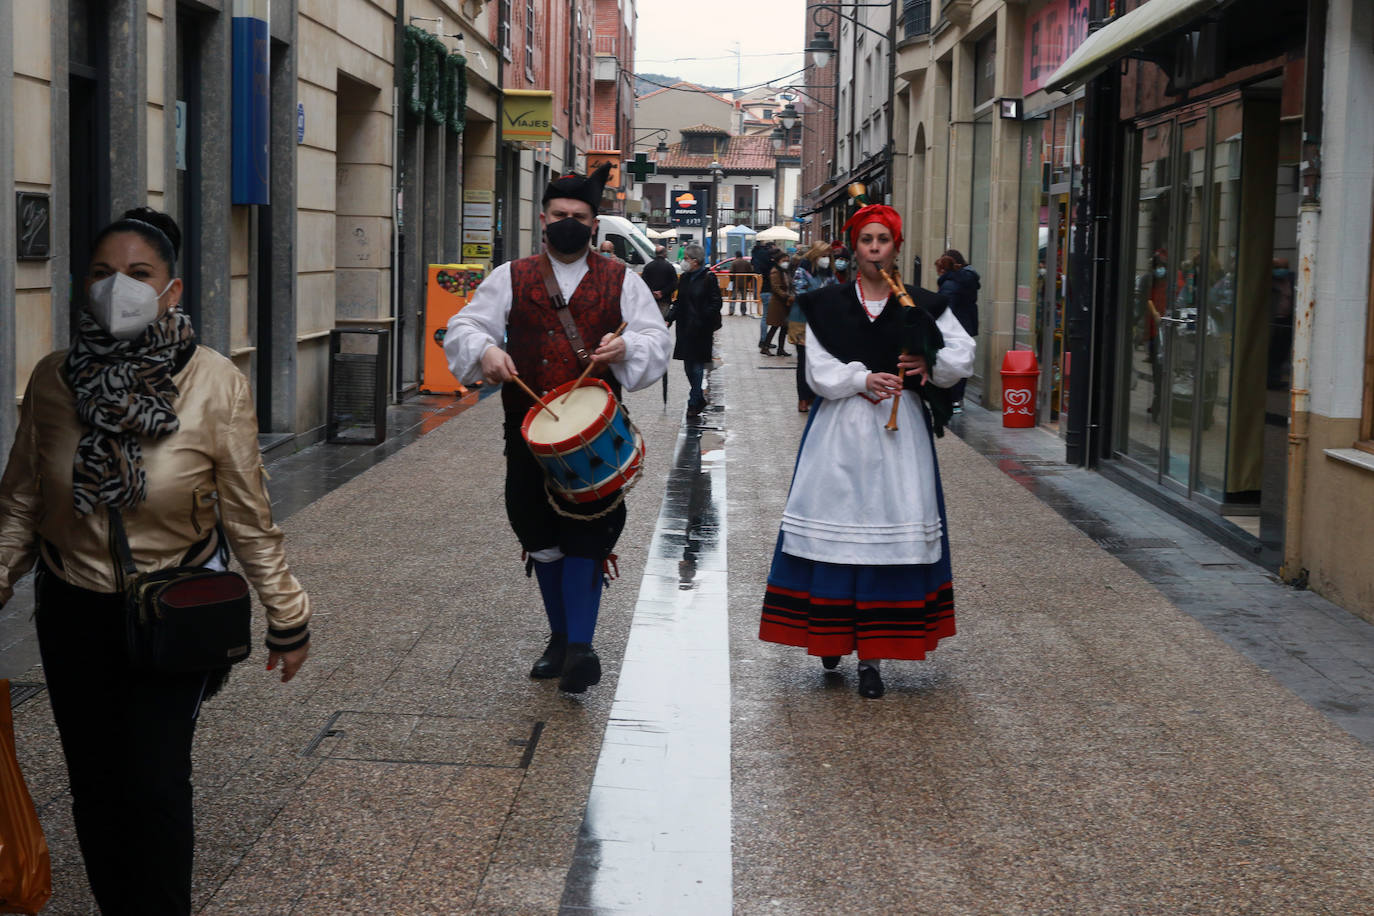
(898, 612)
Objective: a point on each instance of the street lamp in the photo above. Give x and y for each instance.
(778, 137)
(789, 116)
(716, 174)
(821, 49)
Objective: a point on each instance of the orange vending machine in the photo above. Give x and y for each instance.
(449, 288)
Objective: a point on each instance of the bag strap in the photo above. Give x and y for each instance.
(121, 542)
(560, 308)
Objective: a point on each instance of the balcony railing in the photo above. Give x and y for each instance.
(604, 45)
(603, 141)
(915, 18)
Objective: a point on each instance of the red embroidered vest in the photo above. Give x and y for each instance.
(535, 338)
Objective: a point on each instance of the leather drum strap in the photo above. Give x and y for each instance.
(560, 308)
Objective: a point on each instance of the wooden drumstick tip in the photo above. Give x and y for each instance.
(537, 399)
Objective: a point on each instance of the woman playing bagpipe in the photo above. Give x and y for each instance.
(862, 559)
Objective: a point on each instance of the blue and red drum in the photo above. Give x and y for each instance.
(592, 450)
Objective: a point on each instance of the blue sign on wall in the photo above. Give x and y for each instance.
(251, 102)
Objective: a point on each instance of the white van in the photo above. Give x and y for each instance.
(631, 244)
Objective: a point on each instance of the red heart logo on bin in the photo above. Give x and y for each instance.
(1016, 397)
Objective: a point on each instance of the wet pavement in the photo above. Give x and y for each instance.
(1132, 718)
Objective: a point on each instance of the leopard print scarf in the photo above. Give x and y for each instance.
(124, 392)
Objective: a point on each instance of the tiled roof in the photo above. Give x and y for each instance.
(682, 86)
(704, 129)
(739, 154)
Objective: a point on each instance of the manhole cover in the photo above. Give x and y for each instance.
(432, 740)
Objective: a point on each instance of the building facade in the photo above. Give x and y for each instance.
(1166, 205)
(367, 150)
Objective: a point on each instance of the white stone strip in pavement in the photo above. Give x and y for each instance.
(657, 833)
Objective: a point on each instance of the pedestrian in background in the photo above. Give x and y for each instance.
(741, 274)
(661, 278)
(959, 283)
(779, 305)
(696, 312)
(812, 272)
(136, 417)
(862, 557)
(567, 544)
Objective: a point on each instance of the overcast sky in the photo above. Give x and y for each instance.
(697, 40)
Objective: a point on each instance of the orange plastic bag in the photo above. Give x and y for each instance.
(25, 869)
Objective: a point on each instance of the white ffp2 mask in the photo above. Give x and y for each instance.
(124, 306)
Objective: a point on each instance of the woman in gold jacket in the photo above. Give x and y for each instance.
(136, 416)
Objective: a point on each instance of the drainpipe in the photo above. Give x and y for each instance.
(1305, 300)
(396, 215)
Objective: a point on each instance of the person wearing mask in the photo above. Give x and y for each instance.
(742, 278)
(661, 278)
(696, 312)
(779, 305)
(812, 272)
(136, 422)
(841, 264)
(870, 572)
(959, 283)
(607, 250)
(557, 312)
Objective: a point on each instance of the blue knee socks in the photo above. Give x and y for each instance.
(550, 576)
(581, 596)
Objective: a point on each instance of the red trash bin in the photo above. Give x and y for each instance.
(1020, 378)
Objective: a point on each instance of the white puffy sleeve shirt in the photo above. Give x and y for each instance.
(482, 324)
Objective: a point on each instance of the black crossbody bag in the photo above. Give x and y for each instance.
(186, 619)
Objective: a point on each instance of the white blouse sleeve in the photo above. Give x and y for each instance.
(478, 325)
(648, 345)
(829, 377)
(955, 359)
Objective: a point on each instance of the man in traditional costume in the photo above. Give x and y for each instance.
(862, 558)
(557, 311)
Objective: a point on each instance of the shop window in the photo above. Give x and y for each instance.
(1366, 442)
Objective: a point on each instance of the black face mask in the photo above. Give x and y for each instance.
(568, 236)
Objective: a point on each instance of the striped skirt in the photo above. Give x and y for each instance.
(898, 612)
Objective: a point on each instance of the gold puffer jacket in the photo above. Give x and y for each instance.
(209, 470)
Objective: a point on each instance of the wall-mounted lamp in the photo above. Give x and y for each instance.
(1010, 109)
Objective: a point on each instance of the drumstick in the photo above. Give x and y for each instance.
(578, 383)
(516, 379)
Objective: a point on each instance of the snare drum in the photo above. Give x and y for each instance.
(592, 450)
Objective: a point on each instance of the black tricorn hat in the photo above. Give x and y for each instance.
(579, 187)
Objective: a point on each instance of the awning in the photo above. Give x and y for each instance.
(1125, 35)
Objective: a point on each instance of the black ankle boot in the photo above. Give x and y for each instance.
(870, 682)
(830, 662)
(581, 668)
(550, 664)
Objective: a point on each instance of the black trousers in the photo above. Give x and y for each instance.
(126, 736)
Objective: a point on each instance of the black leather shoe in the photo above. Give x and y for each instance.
(870, 683)
(581, 669)
(550, 664)
(829, 662)
(783, 353)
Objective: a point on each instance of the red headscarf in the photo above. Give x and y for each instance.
(873, 213)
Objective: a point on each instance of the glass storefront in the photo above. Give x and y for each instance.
(1187, 369)
(1051, 180)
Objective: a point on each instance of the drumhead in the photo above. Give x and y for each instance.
(575, 415)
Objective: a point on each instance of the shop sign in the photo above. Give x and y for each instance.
(612, 156)
(1052, 33)
(477, 251)
(688, 210)
(527, 115)
(33, 212)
